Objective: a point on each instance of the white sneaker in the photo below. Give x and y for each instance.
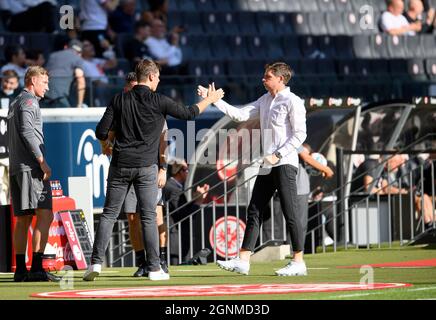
(235, 265)
(293, 269)
(93, 271)
(158, 275)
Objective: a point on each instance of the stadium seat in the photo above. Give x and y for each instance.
(317, 23)
(343, 5)
(361, 47)
(205, 5)
(218, 47)
(334, 23)
(195, 47)
(238, 47)
(308, 70)
(300, 23)
(413, 47)
(274, 48)
(255, 68)
(416, 69)
(247, 23)
(257, 47)
(283, 6)
(198, 70)
(428, 45)
(326, 5)
(379, 46)
(358, 4)
(225, 5)
(211, 24)
(430, 68)
(378, 5)
(291, 47)
(343, 47)
(175, 18)
(327, 47)
(380, 69)
(173, 5)
(309, 5)
(351, 23)
(254, 5)
(283, 24)
(265, 23)
(363, 68)
(309, 47)
(235, 70)
(346, 69)
(228, 22)
(327, 70)
(237, 93)
(396, 47)
(187, 5)
(192, 22)
(216, 69)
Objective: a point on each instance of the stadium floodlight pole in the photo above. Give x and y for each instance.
(395, 135)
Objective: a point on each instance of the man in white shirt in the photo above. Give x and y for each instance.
(282, 118)
(394, 23)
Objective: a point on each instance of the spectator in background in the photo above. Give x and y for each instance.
(35, 58)
(415, 14)
(33, 16)
(94, 69)
(158, 10)
(122, 20)
(9, 90)
(16, 58)
(394, 23)
(174, 193)
(65, 66)
(94, 21)
(169, 55)
(135, 49)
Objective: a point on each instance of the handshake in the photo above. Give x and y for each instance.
(211, 92)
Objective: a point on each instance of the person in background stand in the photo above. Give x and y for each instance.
(9, 88)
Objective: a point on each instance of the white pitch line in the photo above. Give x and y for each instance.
(374, 293)
(422, 289)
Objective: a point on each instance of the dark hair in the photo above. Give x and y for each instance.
(131, 76)
(144, 68)
(12, 50)
(8, 74)
(33, 54)
(139, 25)
(280, 69)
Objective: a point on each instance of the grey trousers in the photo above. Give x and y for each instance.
(144, 181)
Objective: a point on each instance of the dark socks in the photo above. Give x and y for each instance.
(37, 262)
(140, 258)
(21, 263)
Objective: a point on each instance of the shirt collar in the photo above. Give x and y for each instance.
(283, 93)
(32, 94)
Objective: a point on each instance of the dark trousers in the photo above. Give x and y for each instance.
(144, 181)
(282, 179)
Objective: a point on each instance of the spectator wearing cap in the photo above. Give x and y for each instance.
(9, 88)
(65, 66)
(174, 194)
(394, 23)
(415, 14)
(16, 58)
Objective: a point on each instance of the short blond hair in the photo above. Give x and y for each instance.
(34, 72)
(144, 68)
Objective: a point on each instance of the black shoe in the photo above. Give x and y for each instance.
(141, 272)
(164, 265)
(42, 276)
(20, 276)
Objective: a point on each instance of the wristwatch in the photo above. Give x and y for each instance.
(278, 155)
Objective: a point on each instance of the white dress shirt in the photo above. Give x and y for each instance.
(282, 122)
(390, 21)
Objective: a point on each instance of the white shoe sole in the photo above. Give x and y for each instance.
(91, 276)
(159, 278)
(232, 269)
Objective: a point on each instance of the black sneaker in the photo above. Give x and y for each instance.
(164, 265)
(141, 272)
(20, 276)
(42, 276)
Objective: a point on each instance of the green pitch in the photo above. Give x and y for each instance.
(322, 268)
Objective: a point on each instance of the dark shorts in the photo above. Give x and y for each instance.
(29, 192)
(130, 204)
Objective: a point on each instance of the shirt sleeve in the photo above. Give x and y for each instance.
(176, 110)
(250, 111)
(106, 123)
(297, 118)
(27, 128)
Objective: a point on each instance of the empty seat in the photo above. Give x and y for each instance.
(265, 23)
(238, 47)
(343, 47)
(217, 71)
(430, 68)
(205, 5)
(428, 46)
(334, 23)
(380, 69)
(326, 46)
(291, 47)
(195, 47)
(413, 47)
(326, 68)
(219, 48)
(283, 24)
(225, 5)
(308, 70)
(343, 5)
(255, 67)
(346, 69)
(228, 22)
(247, 23)
(416, 69)
(363, 68)
(396, 46)
(361, 47)
(326, 5)
(173, 5)
(317, 23)
(309, 47)
(351, 23)
(211, 24)
(358, 4)
(257, 47)
(283, 6)
(235, 71)
(192, 22)
(299, 23)
(175, 18)
(253, 5)
(274, 48)
(379, 46)
(187, 5)
(309, 5)
(198, 70)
